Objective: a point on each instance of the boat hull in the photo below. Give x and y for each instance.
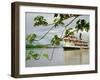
(74, 48)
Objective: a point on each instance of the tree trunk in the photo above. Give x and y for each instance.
(80, 36)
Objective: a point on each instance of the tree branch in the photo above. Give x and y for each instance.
(54, 26)
(45, 34)
(67, 25)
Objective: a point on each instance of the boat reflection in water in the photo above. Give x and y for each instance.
(60, 57)
(73, 57)
(73, 52)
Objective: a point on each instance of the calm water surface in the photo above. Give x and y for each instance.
(60, 57)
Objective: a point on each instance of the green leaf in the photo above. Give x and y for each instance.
(83, 22)
(31, 37)
(82, 25)
(35, 56)
(45, 55)
(55, 15)
(55, 40)
(28, 54)
(55, 20)
(87, 27)
(68, 32)
(78, 21)
(39, 20)
(62, 16)
(28, 57)
(58, 21)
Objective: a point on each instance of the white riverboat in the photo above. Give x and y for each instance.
(71, 42)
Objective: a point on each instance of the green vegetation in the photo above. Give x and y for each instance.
(55, 41)
(82, 25)
(58, 21)
(31, 37)
(32, 55)
(36, 56)
(28, 57)
(45, 55)
(69, 31)
(39, 20)
(36, 46)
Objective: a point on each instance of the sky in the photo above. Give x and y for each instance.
(41, 30)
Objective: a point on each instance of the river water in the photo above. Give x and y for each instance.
(59, 57)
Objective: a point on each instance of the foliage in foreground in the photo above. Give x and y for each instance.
(55, 41)
(36, 56)
(36, 46)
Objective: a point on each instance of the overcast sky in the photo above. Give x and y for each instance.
(41, 30)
